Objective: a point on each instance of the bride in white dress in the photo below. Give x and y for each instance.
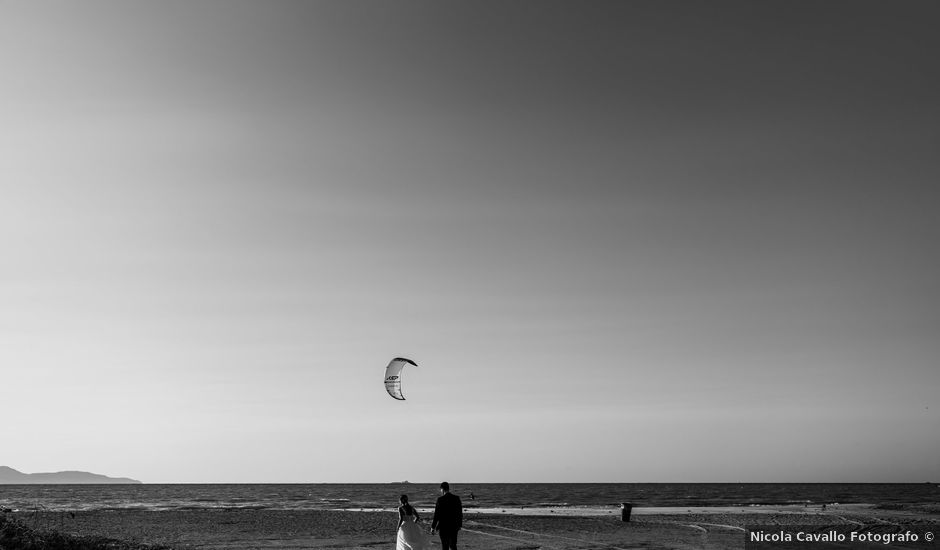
(410, 534)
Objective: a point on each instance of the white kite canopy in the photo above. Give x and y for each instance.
(393, 376)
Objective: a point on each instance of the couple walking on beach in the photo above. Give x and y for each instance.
(447, 520)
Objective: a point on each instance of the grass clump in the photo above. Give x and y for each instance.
(14, 535)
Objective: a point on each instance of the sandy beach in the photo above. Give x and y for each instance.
(522, 528)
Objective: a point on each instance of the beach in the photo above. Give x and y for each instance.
(484, 529)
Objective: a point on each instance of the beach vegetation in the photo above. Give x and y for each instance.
(15, 535)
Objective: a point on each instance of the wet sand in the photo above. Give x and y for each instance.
(484, 529)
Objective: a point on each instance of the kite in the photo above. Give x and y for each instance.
(393, 376)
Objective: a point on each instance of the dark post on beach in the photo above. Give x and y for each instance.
(625, 508)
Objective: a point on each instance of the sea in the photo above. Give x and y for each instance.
(384, 496)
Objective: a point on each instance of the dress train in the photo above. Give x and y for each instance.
(412, 537)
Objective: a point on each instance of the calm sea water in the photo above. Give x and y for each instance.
(486, 495)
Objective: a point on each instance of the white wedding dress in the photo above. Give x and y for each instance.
(411, 536)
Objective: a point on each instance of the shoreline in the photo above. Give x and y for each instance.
(593, 511)
(596, 528)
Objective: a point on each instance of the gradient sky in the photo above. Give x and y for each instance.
(626, 242)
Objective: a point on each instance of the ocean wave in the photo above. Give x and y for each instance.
(423, 496)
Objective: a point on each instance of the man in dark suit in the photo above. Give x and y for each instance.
(448, 517)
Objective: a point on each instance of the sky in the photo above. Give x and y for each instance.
(623, 241)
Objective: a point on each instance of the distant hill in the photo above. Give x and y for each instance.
(9, 476)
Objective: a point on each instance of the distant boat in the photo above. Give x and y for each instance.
(406, 482)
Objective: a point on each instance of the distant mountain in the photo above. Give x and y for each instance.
(9, 476)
